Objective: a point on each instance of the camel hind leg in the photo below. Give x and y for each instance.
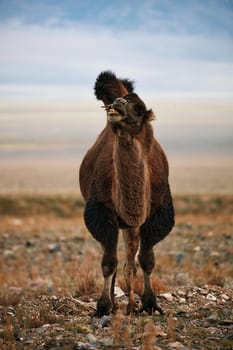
(131, 238)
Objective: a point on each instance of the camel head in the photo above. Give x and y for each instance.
(125, 110)
(129, 108)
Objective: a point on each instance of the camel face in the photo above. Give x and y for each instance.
(126, 112)
(117, 111)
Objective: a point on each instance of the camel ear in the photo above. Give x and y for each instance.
(150, 115)
(107, 87)
(128, 84)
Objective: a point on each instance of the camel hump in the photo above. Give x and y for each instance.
(108, 87)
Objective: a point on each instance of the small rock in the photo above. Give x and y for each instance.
(213, 331)
(203, 291)
(106, 321)
(215, 289)
(59, 329)
(108, 342)
(211, 297)
(54, 248)
(189, 294)
(91, 338)
(16, 248)
(83, 346)
(214, 254)
(9, 254)
(103, 322)
(10, 313)
(16, 222)
(118, 292)
(92, 305)
(181, 293)
(177, 345)
(225, 297)
(197, 249)
(182, 300)
(159, 332)
(167, 296)
(46, 325)
(183, 310)
(213, 317)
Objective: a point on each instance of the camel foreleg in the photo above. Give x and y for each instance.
(105, 303)
(103, 225)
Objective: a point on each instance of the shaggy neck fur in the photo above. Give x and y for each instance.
(131, 185)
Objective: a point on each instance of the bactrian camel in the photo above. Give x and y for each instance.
(124, 181)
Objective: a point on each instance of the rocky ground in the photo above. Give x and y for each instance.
(50, 278)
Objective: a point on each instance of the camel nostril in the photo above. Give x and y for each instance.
(120, 100)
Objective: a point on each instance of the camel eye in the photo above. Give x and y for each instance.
(139, 109)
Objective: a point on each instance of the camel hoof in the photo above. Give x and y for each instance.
(150, 305)
(104, 307)
(150, 309)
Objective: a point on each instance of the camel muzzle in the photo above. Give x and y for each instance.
(117, 111)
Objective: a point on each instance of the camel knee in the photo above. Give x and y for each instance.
(109, 265)
(147, 261)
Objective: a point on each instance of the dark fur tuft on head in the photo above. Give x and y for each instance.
(104, 82)
(128, 84)
(108, 87)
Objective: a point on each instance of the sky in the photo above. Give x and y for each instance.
(178, 52)
(53, 49)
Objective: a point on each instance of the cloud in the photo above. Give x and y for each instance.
(161, 15)
(164, 48)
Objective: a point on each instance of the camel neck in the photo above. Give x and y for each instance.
(131, 187)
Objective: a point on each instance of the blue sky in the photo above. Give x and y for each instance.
(168, 47)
